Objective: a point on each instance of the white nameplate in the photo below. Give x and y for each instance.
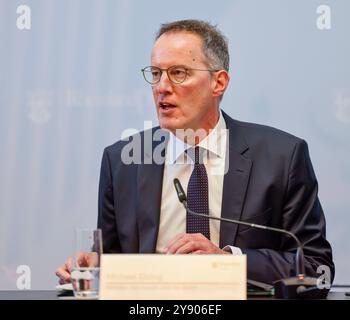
(173, 277)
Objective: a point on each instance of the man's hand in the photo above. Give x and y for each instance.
(64, 271)
(194, 243)
(84, 259)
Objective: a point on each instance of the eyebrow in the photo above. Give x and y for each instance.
(175, 65)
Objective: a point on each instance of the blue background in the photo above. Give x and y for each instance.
(72, 84)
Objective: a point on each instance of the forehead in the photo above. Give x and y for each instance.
(177, 48)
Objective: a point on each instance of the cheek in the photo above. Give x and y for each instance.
(191, 92)
(196, 96)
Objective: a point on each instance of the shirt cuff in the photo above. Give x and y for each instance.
(234, 250)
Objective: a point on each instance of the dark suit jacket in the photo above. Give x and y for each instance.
(270, 181)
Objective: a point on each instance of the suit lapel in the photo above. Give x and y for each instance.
(149, 191)
(235, 182)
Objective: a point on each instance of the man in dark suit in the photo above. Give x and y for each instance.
(262, 175)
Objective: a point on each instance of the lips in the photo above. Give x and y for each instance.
(165, 106)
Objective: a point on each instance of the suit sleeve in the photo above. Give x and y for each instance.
(302, 214)
(106, 208)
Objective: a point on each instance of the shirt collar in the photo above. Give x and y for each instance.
(213, 142)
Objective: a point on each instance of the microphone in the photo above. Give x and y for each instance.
(298, 287)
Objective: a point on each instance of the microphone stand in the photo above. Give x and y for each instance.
(298, 287)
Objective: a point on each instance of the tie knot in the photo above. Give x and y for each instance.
(196, 154)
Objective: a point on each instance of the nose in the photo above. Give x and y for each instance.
(164, 85)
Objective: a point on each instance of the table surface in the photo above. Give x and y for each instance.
(335, 294)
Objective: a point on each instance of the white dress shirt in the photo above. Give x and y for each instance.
(179, 165)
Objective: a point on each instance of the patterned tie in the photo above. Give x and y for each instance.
(197, 195)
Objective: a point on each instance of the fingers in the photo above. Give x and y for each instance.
(63, 275)
(198, 252)
(186, 247)
(187, 243)
(173, 241)
(82, 259)
(64, 271)
(195, 243)
(85, 259)
(178, 242)
(69, 264)
(92, 259)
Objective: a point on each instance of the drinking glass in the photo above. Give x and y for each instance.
(85, 273)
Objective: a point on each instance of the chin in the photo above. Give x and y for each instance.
(169, 124)
(166, 126)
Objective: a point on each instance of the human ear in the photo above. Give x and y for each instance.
(220, 83)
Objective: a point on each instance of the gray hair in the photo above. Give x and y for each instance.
(215, 46)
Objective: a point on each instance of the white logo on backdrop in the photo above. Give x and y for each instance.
(342, 106)
(138, 100)
(39, 103)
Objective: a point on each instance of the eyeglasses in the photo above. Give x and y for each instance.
(176, 74)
